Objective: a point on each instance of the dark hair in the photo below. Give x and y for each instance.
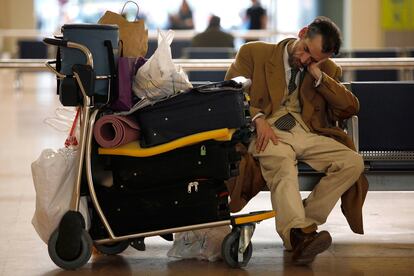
(214, 22)
(331, 35)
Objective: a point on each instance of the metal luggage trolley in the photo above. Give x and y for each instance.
(236, 247)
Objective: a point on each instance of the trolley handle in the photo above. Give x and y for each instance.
(69, 44)
(56, 42)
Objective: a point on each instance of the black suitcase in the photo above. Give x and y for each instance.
(162, 206)
(209, 159)
(207, 107)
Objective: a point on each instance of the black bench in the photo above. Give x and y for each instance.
(177, 47)
(386, 133)
(376, 75)
(208, 53)
(383, 133)
(29, 49)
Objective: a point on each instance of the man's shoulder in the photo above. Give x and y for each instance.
(258, 48)
(197, 38)
(220, 33)
(226, 37)
(213, 34)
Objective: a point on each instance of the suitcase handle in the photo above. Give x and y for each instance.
(233, 84)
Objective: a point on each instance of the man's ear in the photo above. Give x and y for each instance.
(302, 32)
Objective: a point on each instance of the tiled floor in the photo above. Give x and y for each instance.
(387, 248)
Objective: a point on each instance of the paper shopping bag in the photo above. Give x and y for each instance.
(133, 35)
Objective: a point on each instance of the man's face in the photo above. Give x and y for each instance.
(306, 51)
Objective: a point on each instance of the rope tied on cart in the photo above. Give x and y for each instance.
(71, 139)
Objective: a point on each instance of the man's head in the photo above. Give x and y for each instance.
(319, 40)
(214, 22)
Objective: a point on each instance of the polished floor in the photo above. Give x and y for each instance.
(387, 248)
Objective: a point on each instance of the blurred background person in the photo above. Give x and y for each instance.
(256, 16)
(213, 36)
(183, 20)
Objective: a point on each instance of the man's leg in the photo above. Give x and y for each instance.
(279, 169)
(278, 163)
(342, 167)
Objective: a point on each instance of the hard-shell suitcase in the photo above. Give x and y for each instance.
(165, 205)
(209, 159)
(215, 106)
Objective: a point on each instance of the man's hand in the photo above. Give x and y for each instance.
(264, 134)
(314, 70)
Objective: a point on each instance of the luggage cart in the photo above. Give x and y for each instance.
(72, 239)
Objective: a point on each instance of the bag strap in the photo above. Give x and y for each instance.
(111, 59)
(121, 48)
(135, 3)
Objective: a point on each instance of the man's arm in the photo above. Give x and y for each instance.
(243, 66)
(342, 102)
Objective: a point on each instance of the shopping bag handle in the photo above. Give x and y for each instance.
(135, 3)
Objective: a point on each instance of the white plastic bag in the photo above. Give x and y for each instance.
(54, 175)
(63, 119)
(159, 77)
(203, 244)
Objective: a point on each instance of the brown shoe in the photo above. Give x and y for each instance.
(307, 243)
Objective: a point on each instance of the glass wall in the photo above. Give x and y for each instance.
(155, 12)
(293, 14)
(284, 16)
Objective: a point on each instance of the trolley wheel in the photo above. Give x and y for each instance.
(112, 248)
(230, 248)
(84, 255)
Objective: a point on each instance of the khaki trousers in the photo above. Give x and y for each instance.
(341, 165)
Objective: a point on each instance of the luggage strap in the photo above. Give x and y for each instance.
(111, 59)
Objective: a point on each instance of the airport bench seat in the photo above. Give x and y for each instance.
(383, 135)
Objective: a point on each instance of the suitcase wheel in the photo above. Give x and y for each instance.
(81, 259)
(230, 250)
(112, 248)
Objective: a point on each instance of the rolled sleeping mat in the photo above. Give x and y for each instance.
(112, 131)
